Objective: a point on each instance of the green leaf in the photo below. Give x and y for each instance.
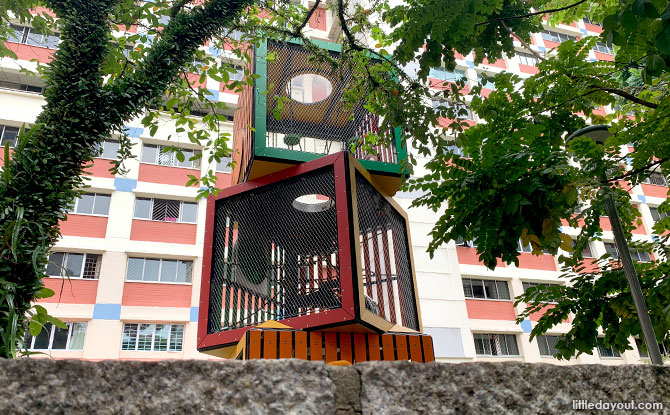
(44, 292)
(656, 65)
(662, 40)
(180, 156)
(35, 328)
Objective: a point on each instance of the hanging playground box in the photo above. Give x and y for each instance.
(316, 246)
(314, 121)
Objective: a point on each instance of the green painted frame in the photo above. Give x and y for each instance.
(262, 152)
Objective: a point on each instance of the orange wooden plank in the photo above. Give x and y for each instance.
(415, 350)
(285, 344)
(269, 344)
(401, 346)
(360, 349)
(254, 345)
(331, 347)
(315, 346)
(373, 347)
(301, 345)
(345, 347)
(428, 352)
(387, 347)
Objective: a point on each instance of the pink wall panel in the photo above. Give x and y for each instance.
(654, 191)
(528, 69)
(469, 256)
(490, 310)
(28, 52)
(72, 291)
(149, 294)
(84, 225)
(100, 168)
(169, 232)
(542, 262)
(165, 175)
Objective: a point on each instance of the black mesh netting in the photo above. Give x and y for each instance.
(323, 125)
(385, 259)
(275, 253)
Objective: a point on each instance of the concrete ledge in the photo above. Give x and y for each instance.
(75, 387)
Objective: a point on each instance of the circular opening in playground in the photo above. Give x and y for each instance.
(309, 88)
(313, 203)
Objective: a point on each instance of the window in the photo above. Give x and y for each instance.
(56, 338)
(656, 215)
(587, 252)
(664, 348)
(527, 248)
(74, 265)
(556, 36)
(162, 270)
(657, 179)
(547, 345)
(153, 337)
(155, 154)
(445, 75)
(486, 289)
(604, 48)
(91, 203)
(496, 344)
(527, 285)
(8, 134)
(461, 110)
(109, 149)
(165, 210)
(605, 351)
(223, 165)
(238, 75)
(635, 254)
(460, 241)
(527, 59)
(21, 87)
(29, 36)
(488, 84)
(589, 21)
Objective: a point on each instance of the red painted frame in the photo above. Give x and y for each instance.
(341, 315)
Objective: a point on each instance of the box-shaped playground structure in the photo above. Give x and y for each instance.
(317, 246)
(295, 112)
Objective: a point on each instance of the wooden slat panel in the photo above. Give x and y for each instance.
(387, 347)
(331, 346)
(345, 347)
(285, 344)
(373, 347)
(360, 349)
(401, 347)
(269, 344)
(428, 352)
(301, 345)
(378, 277)
(415, 349)
(315, 346)
(387, 275)
(254, 345)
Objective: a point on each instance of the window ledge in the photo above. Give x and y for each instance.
(177, 167)
(72, 278)
(165, 221)
(489, 299)
(88, 214)
(160, 282)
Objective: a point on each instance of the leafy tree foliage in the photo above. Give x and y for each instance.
(514, 167)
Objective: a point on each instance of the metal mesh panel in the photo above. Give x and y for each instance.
(387, 273)
(91, 266)
(322, 127)
(166, 210)
(275, 253)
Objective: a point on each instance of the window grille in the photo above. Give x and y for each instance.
(603, 48)
(165, 210)
(557, 37)
(635, 254)
(152, 337)
(21, 87)
(162, 270)
(606, 351)
(657, 179)
(157, 154)
(485, 289)
(496, 344)
(656, 215)
(223, 166)
(74, 265)
(444, 75)
(547, 345)
(527, 59)
(109, 149)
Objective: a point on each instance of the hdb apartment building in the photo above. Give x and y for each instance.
(133, 244)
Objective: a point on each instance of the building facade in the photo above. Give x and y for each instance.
(133, 244)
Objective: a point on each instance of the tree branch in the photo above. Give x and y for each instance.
(625, 95)
(523, 42)
(307, 17)
(638, 170)
(347, 33)
(523, 16)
